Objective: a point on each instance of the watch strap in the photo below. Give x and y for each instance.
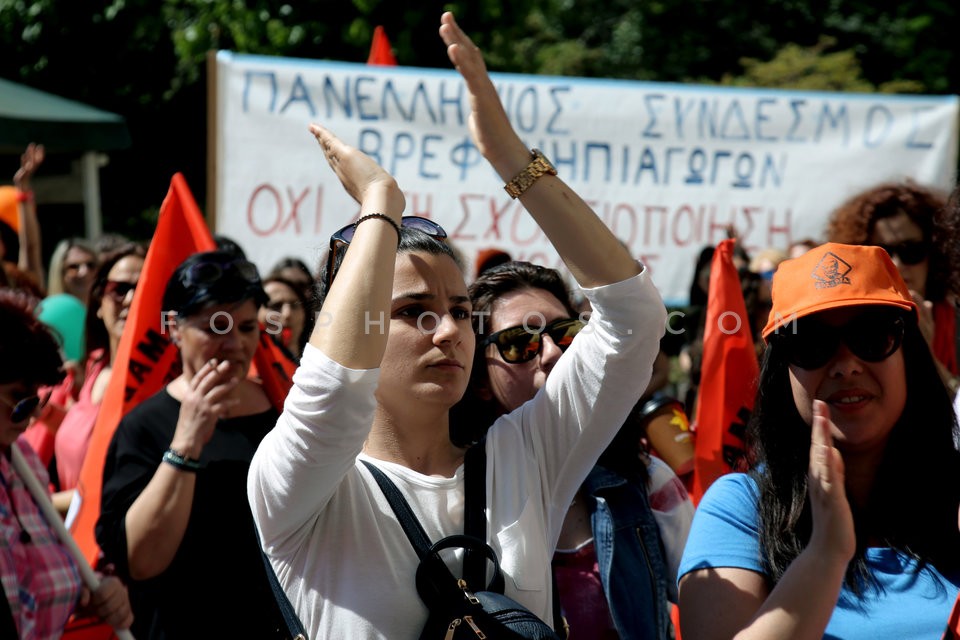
(537, 167)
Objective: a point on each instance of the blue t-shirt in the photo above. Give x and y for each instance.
(725, 533)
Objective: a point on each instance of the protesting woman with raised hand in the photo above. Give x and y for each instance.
(380, 393)
(846, 527)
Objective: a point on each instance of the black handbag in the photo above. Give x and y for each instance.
(463, 607)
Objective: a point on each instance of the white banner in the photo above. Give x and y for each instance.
(667, 166)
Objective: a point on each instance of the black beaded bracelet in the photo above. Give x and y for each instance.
(382, 216)
(181, 462)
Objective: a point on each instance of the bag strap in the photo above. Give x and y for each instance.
(474, 513)
(411, 526)
(290, 618)
(475, 524)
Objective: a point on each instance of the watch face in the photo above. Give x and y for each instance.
(538, 155)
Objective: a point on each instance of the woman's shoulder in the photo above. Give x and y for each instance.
(153, 409)
(731, 491)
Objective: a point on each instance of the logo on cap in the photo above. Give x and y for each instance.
(831, 271)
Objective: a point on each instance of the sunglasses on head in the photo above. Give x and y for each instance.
(23, 409)
(204, 274)
(871, 337)
(118, 290)
(523, 344)
(910, 252)
(345, 236)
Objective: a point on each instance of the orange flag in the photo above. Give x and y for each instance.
(728, 379)
(380, 51)
(146, 358)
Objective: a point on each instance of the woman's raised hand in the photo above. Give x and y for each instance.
(357, 171)
(30, 161)
(833, 530)
(491, 129)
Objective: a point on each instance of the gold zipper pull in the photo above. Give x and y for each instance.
(469, 620)
(452, 629)
(466, 592)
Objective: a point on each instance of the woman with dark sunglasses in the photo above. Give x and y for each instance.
(392, 353)
(916, 227)
(40, 584)
(621, 539)
(846, 525)
(174, 516)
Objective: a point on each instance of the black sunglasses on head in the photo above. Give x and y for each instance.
(203, 274)
(523, 344)
(810, 344)
(910, 252)
(345, 236)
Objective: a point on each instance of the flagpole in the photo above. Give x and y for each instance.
(53, 519)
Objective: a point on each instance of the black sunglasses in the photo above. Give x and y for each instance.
(118, 290)
(345, 236)
(204, 274)
(523, 344)
(911, 252)
(872, 337)
(23, 409)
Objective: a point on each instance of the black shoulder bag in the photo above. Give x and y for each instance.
(464, 607)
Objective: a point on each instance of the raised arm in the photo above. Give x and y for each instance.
(30, 259)
(735, 603)
(355, 312)
(591, 252)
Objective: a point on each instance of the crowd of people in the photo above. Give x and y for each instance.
(844, 524)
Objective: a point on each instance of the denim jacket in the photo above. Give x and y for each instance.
(624, 529)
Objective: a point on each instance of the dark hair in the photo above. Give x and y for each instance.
(229, 245)
(309, 317)
(472, 416)
(698, 297)
(854, 221)
(290, 262)
(922, 440)
(95, 332)
(236, 280)
(28, 352)
(411, 241)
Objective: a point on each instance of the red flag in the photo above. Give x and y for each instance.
(729, 375)
(146, 358)
(380, 51)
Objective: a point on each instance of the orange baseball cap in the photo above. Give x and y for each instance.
(832, 276)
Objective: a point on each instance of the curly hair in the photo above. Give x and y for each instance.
(922, 438)
(854, 221)
(28, 352)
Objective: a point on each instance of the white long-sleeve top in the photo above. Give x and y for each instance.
(337, 549)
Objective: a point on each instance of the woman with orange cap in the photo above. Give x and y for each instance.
(846, 524)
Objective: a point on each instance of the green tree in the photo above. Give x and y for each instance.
(813, 69)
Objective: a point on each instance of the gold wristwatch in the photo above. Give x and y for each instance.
(539, 165)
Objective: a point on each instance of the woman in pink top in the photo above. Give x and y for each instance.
(110, 298)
